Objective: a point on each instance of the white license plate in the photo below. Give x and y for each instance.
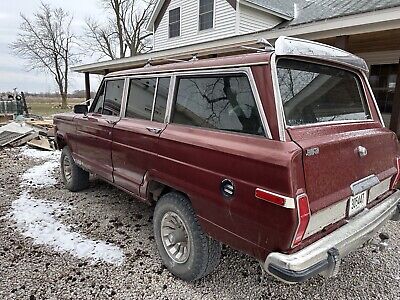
(357, 203)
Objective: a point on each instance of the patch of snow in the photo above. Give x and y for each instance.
(40, 154)
(41, 175)
(35, 218)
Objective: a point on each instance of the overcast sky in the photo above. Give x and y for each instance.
(13, 71)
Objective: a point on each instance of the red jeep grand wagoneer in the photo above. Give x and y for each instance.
(281, 154)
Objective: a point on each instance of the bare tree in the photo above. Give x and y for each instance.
(45, 42)
(124, 33)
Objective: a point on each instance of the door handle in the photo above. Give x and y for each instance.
(154, 130)
(111, 122)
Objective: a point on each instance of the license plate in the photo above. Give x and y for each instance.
(357, 203)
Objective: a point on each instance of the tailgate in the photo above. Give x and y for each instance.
(333, 160)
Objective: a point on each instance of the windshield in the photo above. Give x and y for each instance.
(313, 93)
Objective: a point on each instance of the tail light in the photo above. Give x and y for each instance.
(396, 178)
(274, 198)
(303, 212)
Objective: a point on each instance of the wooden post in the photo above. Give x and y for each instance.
(87, 85)
(342, 42)
(395, 116)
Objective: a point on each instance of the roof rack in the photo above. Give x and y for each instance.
(169, 56)
(267, 46)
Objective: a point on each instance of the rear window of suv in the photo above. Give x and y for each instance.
(217, 102)
(313, 93)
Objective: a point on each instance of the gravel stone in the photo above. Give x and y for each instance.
(29, 270)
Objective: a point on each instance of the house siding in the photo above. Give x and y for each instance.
(252, 20)
(224, 25)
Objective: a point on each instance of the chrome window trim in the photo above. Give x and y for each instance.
(124, 101)
(329, 123)
(217, 72)
(363, 79)
(258, 101)
(154, 98)
(171, 93)
(366, 82)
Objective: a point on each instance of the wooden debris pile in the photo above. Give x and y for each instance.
(35, 133)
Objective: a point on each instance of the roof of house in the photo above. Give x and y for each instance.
(285, 7)
(316, 10)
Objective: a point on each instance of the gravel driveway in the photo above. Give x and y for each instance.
(99, 244)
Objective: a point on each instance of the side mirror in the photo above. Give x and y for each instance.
(81, 109)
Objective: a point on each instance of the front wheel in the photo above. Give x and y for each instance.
(185, 249)
(75, 178)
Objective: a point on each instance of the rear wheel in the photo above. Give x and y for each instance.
(185, 249)
(74, 177)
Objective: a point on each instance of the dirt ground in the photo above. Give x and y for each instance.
(99, 244)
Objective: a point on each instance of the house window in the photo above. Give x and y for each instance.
(175, 22)
(206, 14)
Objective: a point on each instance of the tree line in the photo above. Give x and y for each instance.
(48, 43)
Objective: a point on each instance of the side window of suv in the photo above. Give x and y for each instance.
(140, 98)
(113, 97)
(217, 102)
(161, 99)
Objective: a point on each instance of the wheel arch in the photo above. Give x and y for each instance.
(157, 188)
(61, 141)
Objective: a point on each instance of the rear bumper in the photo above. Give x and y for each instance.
(324, 256)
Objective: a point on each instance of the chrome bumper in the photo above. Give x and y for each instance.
(323, 257)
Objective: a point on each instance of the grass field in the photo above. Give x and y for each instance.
(47, 107)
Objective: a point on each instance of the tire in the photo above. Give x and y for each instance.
(203, 252)
(75, 178)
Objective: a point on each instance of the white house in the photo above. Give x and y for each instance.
(177, 23)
